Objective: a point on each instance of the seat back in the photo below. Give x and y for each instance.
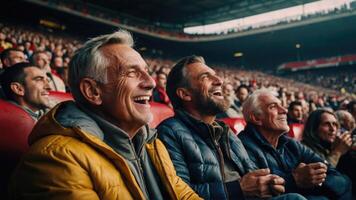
(15, 126)
(296, 131)
(160, 112)
(58, 97)
(236, 124)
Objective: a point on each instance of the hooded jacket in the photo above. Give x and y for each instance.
(70, 160)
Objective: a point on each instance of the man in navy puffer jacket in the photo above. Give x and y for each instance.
(205, 153)
(267, 145)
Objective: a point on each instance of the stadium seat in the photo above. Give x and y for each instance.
(236, 124)
(58, 97)
(16, 124)
(160, 112)
(296, 131)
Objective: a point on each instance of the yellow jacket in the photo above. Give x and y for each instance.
(68, 163)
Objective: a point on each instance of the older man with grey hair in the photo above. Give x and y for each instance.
(100, 147)
(267, 145)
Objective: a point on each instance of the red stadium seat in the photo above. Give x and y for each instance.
(296, 131)
(160, 112)
(15, 125)
(236, 124)
(58, 97)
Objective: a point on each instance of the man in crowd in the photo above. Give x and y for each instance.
(26, 86)
(159, 92)
(205, 152)
(100, 147)
(295, 113)
(302, 169)
(41, 59)
(12, 56)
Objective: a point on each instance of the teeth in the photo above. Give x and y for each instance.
(142, 98)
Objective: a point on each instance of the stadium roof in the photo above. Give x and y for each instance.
(196, 12)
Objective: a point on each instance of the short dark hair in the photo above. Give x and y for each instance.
(241, 87)
(294, 103)
(177, 78)
(6, 53)
(15, 73)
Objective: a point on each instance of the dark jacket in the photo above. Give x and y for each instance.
(286, 157)
(196, 157)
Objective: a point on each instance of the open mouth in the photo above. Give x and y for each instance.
(142, 100)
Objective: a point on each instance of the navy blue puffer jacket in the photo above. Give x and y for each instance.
(194, 154)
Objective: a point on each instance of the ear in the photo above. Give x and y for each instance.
(90, 91)
(17, 88)
(184, 94)
(255, 119)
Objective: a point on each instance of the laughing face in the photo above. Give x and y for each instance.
(206, 88)
(125, 97)
(328, 127)
(274, 115)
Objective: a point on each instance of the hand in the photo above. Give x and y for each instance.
(260, 183)
(342, 143)
(309, 175)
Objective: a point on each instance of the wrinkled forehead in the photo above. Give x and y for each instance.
(122, 56)
(267, 99)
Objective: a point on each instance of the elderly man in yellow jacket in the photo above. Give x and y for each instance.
(100, 147)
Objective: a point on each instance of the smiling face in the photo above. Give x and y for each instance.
(328, 127)
(273, 118)
(36, 89)
(125, 96)
(206, 89)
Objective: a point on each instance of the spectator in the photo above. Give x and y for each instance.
(100, 147)
(159, 93)
(242, 93)
(205, 152)
(12, 56)
(233, 111)
(41, 59)
(321, 135)
(27, 87)
(267, 145)
(346, 121)
(295, 113)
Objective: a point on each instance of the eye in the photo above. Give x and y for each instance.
(133, 73)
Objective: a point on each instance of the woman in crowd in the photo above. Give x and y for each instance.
(321, 134)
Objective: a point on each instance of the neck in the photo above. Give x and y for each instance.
(23, 103)
(129, 128)
(208, 119)
(270, 136)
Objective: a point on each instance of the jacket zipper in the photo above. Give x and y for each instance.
(140, 171)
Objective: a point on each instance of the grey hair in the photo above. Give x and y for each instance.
(252, 104)
(341, 115)
(89, 61)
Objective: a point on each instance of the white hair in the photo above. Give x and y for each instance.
(89, 61)
(252, 105)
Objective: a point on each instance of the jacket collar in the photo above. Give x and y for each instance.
(251, 131)
(67, 116)
(206, 131)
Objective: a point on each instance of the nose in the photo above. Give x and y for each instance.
(217, 80)
(282, 110)
(46, 85)
(147, 82)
